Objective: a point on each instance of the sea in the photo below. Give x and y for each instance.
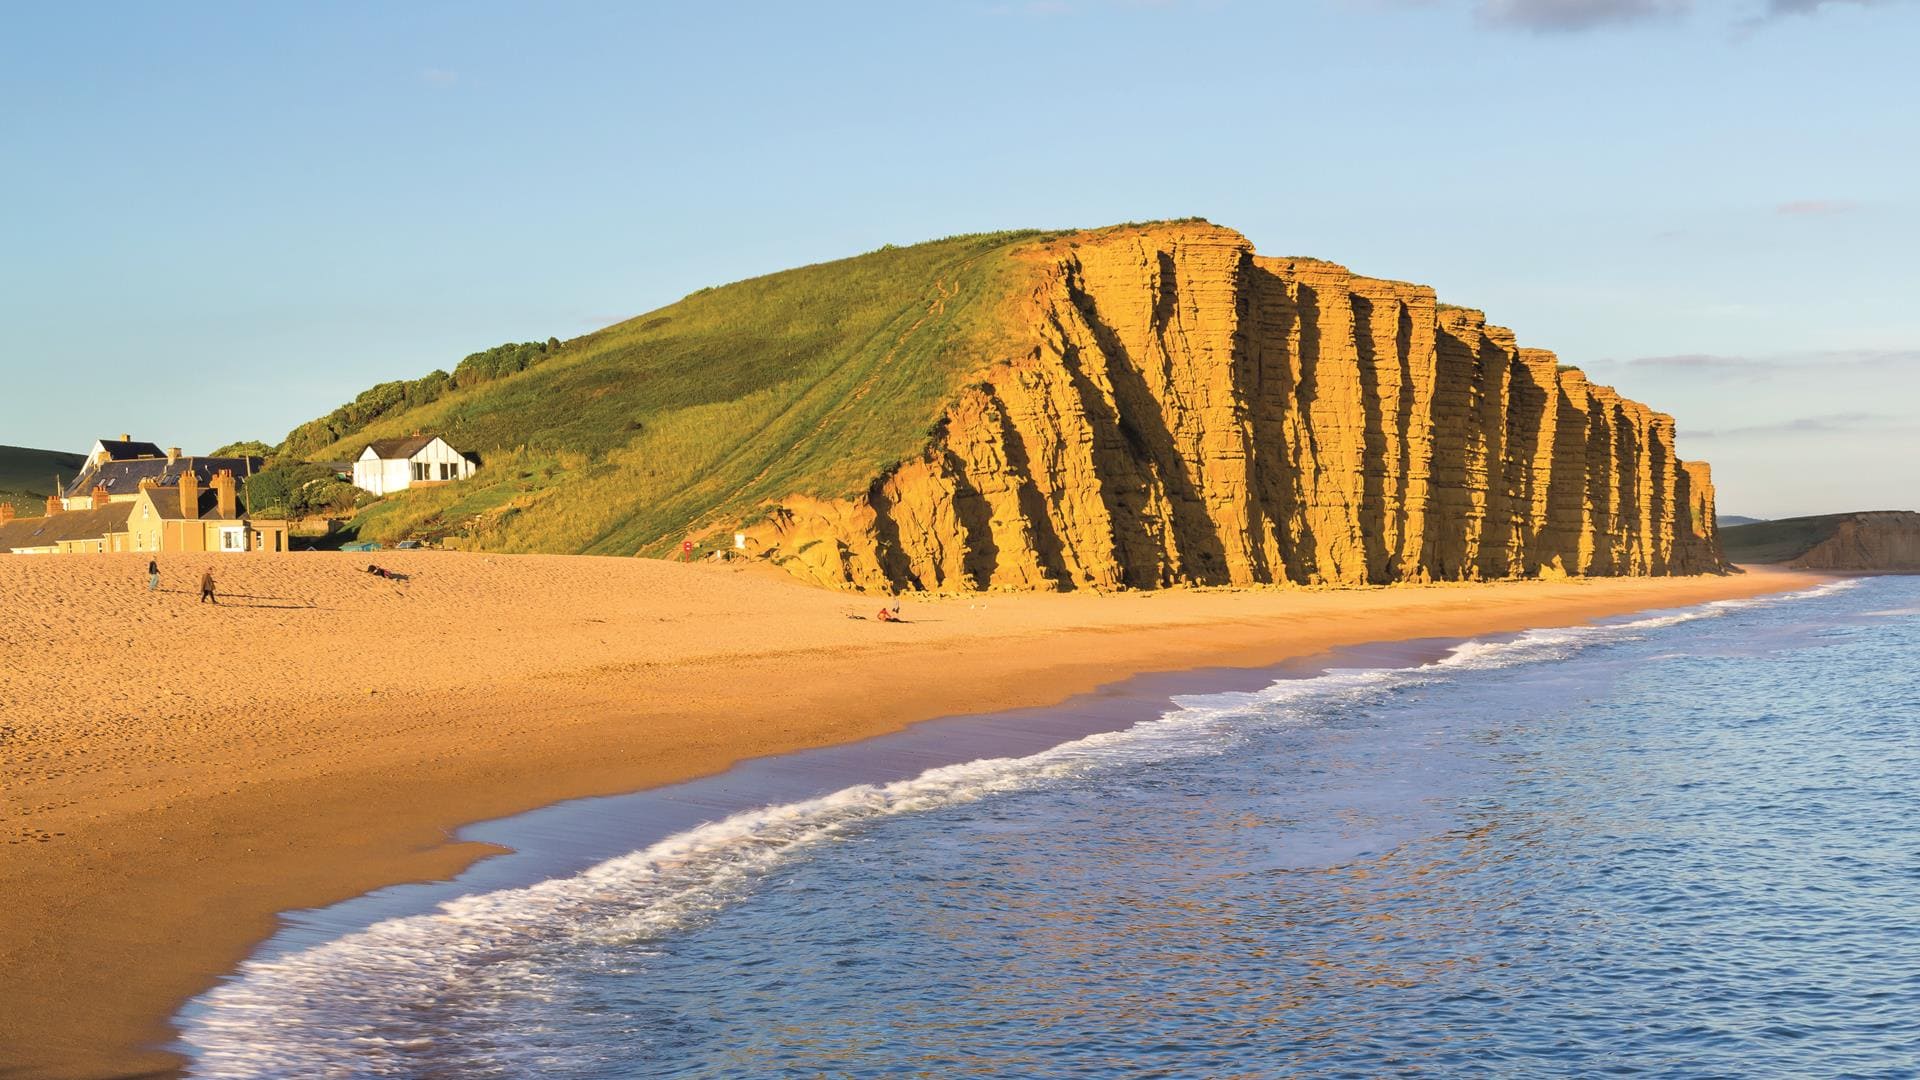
(1678, 844)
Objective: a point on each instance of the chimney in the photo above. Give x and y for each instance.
(53, 505)
(189, 494)
(100, 496)
(6, 513)
(173, 454)
(125, 437)
(229, 507)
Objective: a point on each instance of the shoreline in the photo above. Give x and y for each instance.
(567, 837)
(147, 857)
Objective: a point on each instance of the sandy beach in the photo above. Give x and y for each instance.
(174, 774)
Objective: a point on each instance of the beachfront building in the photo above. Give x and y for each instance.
(61, 531)
(390, 465)
(180, 517)
(121, 466)
(185, 517)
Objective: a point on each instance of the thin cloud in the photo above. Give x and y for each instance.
(1700, 362)
(1777, 8)
(1048, 8)
(1816, 207)
(439, 76)
(1827, 360)
(1574, 16)
(1826, 424)
(1581, 16)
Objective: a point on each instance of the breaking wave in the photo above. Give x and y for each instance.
(375, 1001)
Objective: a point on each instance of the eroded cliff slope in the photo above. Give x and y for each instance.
(1886, 541)
(1176, 409)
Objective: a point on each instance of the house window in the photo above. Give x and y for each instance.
(420, 470)
(449, 471)
(233, 539)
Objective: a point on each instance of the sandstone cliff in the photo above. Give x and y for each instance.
(1885, 540)
(1179, 410)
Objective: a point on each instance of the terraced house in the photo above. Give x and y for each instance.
(120, 466)
(183, 517)
(131, 496)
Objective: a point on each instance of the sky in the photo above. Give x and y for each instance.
(219, 221)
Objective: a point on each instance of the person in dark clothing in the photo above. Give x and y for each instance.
(153, 575)
(206, 588)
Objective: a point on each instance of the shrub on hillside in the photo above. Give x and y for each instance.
(296, 489)
(502, 360)
(389, 398)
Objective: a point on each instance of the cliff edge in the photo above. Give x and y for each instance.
(1886, 541)
(1173, 408)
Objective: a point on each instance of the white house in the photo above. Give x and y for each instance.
(389, 465)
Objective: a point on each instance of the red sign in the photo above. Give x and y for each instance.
(686, 546)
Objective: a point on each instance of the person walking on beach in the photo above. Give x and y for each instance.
(153, 575)
(206, 588)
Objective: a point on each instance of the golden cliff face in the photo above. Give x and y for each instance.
(1187, 412)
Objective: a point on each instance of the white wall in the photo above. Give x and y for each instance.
(382, 477)
(437, 454)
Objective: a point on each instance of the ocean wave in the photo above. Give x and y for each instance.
(358, 1005)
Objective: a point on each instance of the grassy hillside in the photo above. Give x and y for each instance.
(26, 475)
(1777, 541)
(689, 417)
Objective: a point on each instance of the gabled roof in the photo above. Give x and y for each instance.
(123, 477)
(166, 505)
(70, 525)
(400, 449)
(127, 449)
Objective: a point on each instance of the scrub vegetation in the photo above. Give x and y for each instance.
(687, 419)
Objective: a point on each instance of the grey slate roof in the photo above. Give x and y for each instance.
(69, 525)
(166, 503)
(123, 477)
(122, 450)
(400, 449)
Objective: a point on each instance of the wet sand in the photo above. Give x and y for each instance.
(174, 775)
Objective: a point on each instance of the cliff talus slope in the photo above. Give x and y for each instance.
(1175, 409)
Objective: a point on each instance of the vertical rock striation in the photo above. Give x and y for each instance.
(1188, 412)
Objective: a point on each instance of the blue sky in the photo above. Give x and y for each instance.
(221, 220)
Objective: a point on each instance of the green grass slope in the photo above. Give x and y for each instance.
(1777, 541)
(26, 475)
(690, 417)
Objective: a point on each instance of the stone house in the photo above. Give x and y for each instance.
(180, 517)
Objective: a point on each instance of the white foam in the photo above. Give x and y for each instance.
(355, 1006)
